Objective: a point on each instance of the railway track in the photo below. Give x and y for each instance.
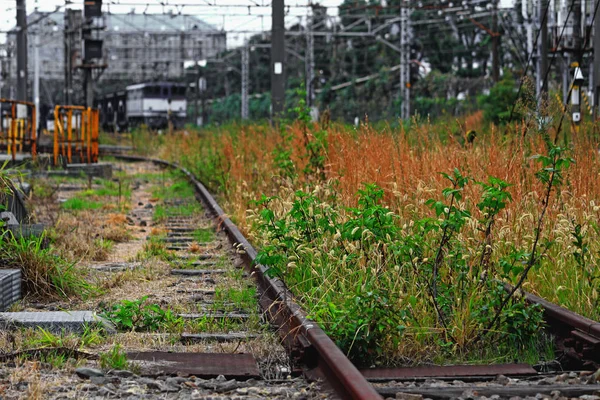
(207, 266)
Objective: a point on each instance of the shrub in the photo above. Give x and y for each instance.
(44, 274)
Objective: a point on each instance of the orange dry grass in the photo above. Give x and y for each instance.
(407, 165)
(116, 219)
(397, 166)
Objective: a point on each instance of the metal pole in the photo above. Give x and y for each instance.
(405, 60)
(577, 37)
(576, 95)
(89, 88)
(542, 61)
(245, 80)
(21, 51)
(36, 80)
(277, 59)
(495, 44)
(203, 99)
(310, 61)
(597, 64)
(197, 94)
(68, 20)
(566, 70)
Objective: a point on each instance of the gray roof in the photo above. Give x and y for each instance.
(135, 22)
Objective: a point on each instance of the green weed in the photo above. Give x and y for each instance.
(44, 274)
(115, 358)
(42, 338)
(203, 235)
(77, 204)
(162, 212)
(55, 359)
(139, 315)
(242, 297)
(177, 190)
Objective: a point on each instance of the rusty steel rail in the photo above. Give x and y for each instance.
(579, 333)
(305, 341)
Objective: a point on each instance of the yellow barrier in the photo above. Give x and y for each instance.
(21, 133)
(76, 132)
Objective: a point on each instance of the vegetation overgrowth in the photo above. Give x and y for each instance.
(397, 239)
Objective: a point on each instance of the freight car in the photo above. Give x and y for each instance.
(153, 104)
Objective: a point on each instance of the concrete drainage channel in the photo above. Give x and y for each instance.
(213, 343)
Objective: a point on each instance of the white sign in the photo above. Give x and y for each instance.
(202, 84)
(575, 96)
(278, 68)
(21, 111)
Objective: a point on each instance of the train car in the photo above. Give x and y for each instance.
(113, 111)
(154, 104)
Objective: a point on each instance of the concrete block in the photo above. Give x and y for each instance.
(10, 287)
(54, 321)
(27, 230)
(8, 218)
(100, 170)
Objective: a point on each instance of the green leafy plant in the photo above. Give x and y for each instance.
(315, 242)
(115, 358)
(140, 315)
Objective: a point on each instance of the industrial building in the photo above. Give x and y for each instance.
(137, 47)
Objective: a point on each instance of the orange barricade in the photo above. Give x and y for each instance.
(17, 127)
(76, 134)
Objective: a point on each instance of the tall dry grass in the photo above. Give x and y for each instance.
(407, 164)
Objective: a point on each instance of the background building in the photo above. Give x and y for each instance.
(137, 47)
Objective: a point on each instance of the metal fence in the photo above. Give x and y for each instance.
(17, 127)
(75, 135)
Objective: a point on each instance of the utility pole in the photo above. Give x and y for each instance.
(203, 98)
(245, 80)
(88, 84)
(576, 95)
(577, 74)
(309, 63)
(542, 60)
(21, 51)
(577, 38)
(36, 80)
(495, 43)
(596, 63)
(277, 59)
(196, 93)
(405, 59)
(526, 9)
(91, 46)
(68, 56)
